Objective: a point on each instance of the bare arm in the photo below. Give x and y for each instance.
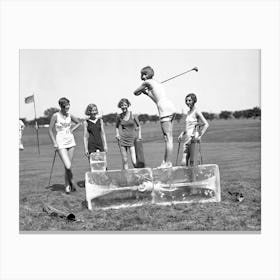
(204, 124)
(138, 126)
(52, 122)
(117, 133)
(86, 138)
(117, 128)
(139, 132)
(76, 121)
(180, 137)
(103, 136)
(144, 88)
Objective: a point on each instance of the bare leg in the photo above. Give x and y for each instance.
(133, 155)
(168, 138)
(184, 159)
(124, 157)
(65, 158)
(67, 165)
(71, 154)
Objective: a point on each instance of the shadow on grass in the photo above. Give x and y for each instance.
(61, 188)
(56, 188)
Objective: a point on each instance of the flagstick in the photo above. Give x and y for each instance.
(36, 124)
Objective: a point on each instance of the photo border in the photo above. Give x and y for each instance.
(221, 256)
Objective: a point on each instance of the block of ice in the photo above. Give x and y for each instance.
(98, 161)
(199, 183)
(133, 187)
(118, 188)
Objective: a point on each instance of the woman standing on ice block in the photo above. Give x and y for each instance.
(64, 141)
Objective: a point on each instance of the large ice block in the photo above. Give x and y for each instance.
(98, 161)
(118, 188)
(135, 187)
(199, 183)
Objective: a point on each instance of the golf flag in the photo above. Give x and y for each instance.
(29, 99)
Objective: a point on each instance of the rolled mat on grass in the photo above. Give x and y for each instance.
(58, 213)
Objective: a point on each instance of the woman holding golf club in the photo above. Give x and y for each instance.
(166, 110)
(126, 126)
(64, 142)
(196, 126)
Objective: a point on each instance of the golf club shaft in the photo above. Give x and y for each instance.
(201, 159)
(178, 153)
(193, 69)
(52, 167)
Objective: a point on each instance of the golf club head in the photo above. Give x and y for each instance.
(71, 217)
(195, 69)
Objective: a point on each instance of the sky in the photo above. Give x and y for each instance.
(226, 79)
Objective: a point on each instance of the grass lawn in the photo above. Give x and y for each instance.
(233, 144)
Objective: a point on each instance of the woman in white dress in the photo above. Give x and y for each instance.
(196, 126)
(64, 141)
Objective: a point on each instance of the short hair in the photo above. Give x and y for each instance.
(192, 96)
(123, 100)
(63, 101)
(89, 108)
(148, 70)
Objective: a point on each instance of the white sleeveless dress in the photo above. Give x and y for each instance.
(64, 136)
(191, 122)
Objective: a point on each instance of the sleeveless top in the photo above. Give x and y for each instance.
(94, 139)
(127, 131)
(191, 122)
(64, 136)
(164, 105)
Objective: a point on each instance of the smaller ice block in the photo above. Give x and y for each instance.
(118, 188)
(98, 161)
(199, 183)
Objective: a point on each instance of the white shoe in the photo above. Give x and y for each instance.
(21, 147)
(161, 165)
(168, 164)
(164, 164)
(68, 189)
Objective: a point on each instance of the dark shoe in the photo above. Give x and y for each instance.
(73, 187)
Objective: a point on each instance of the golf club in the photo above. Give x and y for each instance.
(201, 161)
(193, 69)
(178, 152)
(52, 167)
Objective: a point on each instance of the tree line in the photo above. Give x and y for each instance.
(145, 118)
